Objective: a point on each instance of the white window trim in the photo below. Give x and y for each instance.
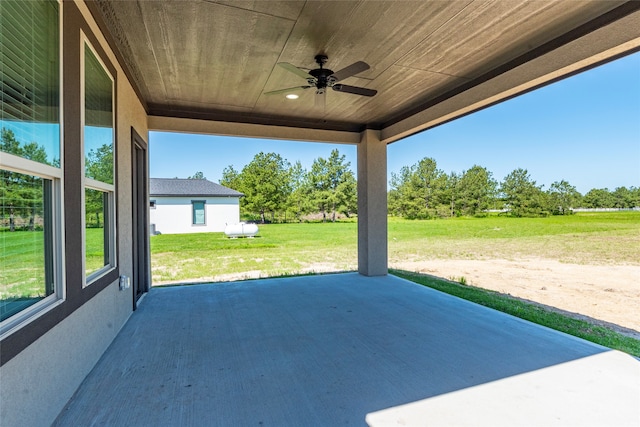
(18, 164)
(11, 162)
(92, 183)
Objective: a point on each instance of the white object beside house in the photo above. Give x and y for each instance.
(179, 206)
(241, 230)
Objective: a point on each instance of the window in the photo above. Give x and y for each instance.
(97, 230)
(198, 212)
(99, 194)
(30, 174)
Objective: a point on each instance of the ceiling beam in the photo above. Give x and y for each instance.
(250, 130)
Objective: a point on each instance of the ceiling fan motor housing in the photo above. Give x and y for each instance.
(322, 76)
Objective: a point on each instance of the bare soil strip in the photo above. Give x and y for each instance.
(610, 294)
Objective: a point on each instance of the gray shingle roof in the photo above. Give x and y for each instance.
(189, 187)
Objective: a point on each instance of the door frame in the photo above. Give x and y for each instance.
(141, 281)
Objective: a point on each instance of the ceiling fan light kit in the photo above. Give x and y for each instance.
(322, 78)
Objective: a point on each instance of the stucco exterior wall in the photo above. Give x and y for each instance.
(372, 205)
(174, 215)
(36, 384)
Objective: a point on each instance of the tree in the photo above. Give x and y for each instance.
(22, 194)
(36, 152)
(231, 178)
(298, 202)
(430, 184)
(419, 191)
(635, 194)
(563, 197)
(598, 198)
(452, 193)
(332, 185)
(398, 193)
(347, 195)
(9, 143)
(98, 166)
(623, 198)
(265, 184)
(319, 185)
(477, 190)
(342, 185)
(521, 194)
(197, 175)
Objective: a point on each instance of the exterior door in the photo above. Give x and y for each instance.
(140, 219)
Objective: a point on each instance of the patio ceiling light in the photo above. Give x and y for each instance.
(292, 96)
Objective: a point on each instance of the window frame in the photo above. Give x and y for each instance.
(55, 247)
(55, 243)
(193, 213)
(89, 183)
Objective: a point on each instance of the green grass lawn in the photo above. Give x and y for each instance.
(593, 238)
(279, 249)
(587, 238)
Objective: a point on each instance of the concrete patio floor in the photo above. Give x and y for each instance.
(345, 349)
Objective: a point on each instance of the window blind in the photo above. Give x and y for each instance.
(29, 63)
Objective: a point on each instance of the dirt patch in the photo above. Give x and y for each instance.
(606, 294)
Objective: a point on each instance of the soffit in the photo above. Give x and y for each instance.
(215, 59)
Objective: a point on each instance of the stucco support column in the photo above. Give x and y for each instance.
(372, 204)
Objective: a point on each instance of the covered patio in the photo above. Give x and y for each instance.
(345, 349)
(325, 350)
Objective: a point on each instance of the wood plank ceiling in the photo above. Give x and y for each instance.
(215, 59)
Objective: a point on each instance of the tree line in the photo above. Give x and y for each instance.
(423, 191)
(276, 190)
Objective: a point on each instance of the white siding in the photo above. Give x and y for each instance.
(174, 215)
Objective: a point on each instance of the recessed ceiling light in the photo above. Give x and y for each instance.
(292, 96)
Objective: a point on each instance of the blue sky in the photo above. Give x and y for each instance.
(584, 129)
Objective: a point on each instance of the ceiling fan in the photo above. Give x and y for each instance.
(323, 78)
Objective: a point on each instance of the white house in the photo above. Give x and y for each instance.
(191, 206)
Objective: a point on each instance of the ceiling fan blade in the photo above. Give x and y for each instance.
(295, 70)
(321, 99)
(289, 89)
(355, 90)
(351, 70)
